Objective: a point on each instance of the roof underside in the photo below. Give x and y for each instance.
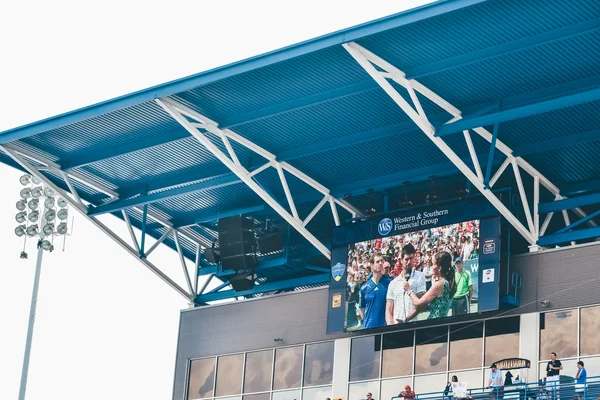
(313, 106)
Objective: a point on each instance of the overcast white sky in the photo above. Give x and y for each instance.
(106, 327)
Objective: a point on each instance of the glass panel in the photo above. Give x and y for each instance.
(558, 333)
(202, 378)
(364, 358)
(318, 364)
(288, 368)
(432, 350)
(288, 395)
(318, 393)
(393, 387)
(358, 391)
(569, 370)
(231, 398)
(229, 375)
(466, 346)
(590, 326)
(501, 339)
(592, 366)
(258, 396)
(430, 386)
(473, 379)
(257, 375)
(397, 354)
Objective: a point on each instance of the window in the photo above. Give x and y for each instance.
(364, 358)
(201, 379)
(466, 345)
(501, 339)
(358, 391)
(473, 379)
(229, 375)
(432, 350)
(317, 393)
(558, 333)
(392, 387)
(288, 368)
(295, 394)
(397, 354)
(318, 364)
(590, 326)
(257, 375)
(430, 383)
(259, 396)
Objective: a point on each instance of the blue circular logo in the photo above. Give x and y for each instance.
(385, 226)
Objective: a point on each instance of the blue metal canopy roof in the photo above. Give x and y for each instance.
(531, 66)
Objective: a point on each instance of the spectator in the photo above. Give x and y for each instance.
(464, 290)
(495, 382)
(581, 379)
(370, 396)
(553, 369)
(408, 393)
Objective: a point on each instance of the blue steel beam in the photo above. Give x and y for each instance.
(263, 264)
(579, 222)
(503, 49)
(558, 143)
(265, 287)
(569, 204)
(352, 89)
(580, 187)
(520, 112)
(557, 238)
(240, 67)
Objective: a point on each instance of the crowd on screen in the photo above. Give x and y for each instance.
(402, 278)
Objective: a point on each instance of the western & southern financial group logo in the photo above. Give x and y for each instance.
(385, 226)
(337, 271)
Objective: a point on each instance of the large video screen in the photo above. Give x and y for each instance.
(430, 263)
(383, 271)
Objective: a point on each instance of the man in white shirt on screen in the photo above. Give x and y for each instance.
(399, 305)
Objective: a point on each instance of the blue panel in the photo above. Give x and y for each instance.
(520, 112)
(569, 204)
(559, 143)
(265, 287)
(225, 214)
(503, 49)
(548, 240)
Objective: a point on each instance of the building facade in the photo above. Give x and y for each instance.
(277, 348)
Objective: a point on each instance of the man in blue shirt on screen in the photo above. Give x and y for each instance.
(373, 295)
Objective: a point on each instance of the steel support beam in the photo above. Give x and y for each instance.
(265, 287)
(204, 126)
(35, 172)
(570, 203)
(520, 112)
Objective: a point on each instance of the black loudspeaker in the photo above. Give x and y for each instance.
(270, 243)
(212, 256)
(237, 243)
(242, 282)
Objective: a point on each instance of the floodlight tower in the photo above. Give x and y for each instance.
(38, 212)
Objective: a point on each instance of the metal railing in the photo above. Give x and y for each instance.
(565, 389)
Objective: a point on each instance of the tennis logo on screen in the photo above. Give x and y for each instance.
(385, 226)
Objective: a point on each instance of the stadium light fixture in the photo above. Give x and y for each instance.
(20, 230)
(25, 179)
(49, 192)
(21, 205)
(32, 230)
(61, 229)
(34, 216)
(21, 217)
(25, 193)
(48, 229)
(36, 192)
(62, 214)
(33, 204)
(50, 215)
(49, 202)
(62, 203)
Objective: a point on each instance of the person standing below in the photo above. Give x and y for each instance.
(428, 272)
(495, 382)
(553, 369)
(370, 396)
(399, 306)
(464, 290)
(408, 393)
(373, 294)
(581, 379)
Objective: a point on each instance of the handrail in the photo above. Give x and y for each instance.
(567, 389)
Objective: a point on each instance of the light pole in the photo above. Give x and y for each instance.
(33, 223)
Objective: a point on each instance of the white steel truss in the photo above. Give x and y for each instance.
(202, 125)
(382, 71)
(24, 158)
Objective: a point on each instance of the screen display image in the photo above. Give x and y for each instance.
(414, 276)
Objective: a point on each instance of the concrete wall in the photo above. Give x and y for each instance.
(565, 277)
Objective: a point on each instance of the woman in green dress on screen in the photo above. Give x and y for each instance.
(439, 296)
